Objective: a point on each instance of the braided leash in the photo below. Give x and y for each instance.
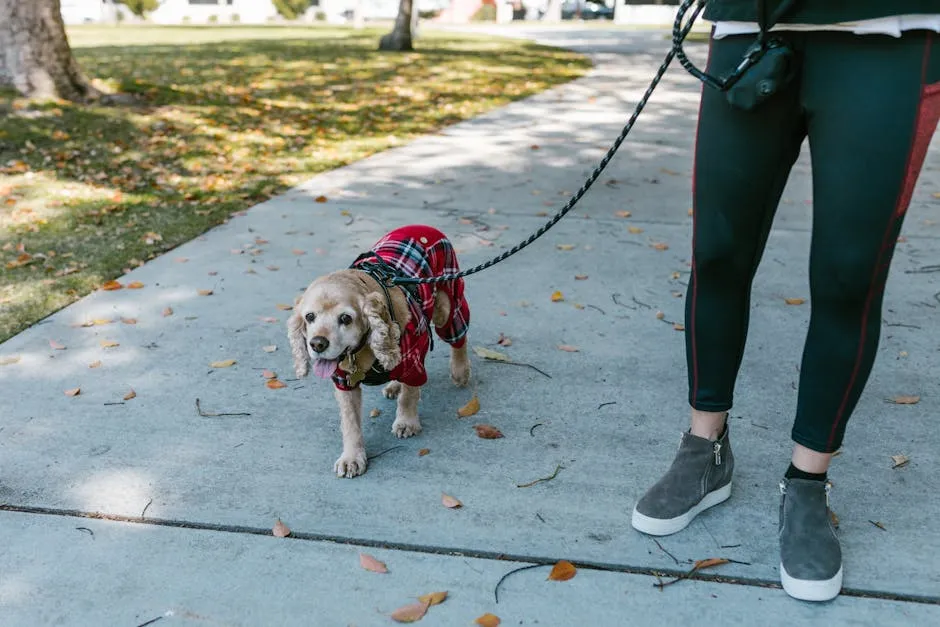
(678, 38)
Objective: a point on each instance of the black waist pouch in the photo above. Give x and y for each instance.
(775, 69)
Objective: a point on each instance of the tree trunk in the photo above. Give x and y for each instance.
(34, 51)
(400, 37)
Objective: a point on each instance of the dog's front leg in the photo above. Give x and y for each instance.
(353, 460)
(407, 422)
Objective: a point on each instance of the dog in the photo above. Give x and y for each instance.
(356, 329)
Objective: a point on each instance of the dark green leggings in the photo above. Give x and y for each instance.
(869, 106)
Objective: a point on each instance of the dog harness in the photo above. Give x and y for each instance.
(414, 251)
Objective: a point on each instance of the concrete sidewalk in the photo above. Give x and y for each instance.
(189, 499)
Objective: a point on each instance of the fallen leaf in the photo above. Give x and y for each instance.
(298, 252)
(488, 620)
(568, 348)
(320, 199)
(580, 277)
(181, 260)
(56, 346)
(108, 343)
(370, 563)
(345, 212)
(562, 571)
(486, 353)
(110, 286)
(503, 340)
(635, 230)
(557, 297)
(410, 613)
(275, 384)
(833, 519)
(902, 240)
(73, 392)
(270, 319)
(878, 524)
(534, 147)
(273, 268)
(450, 502)
(375, 413)
(675, 276)
(900, 460)
(167, 312)
(95, 364)
(284, 307)
(472, 407)
(902, 354)
(565, 247)
(678, 326)
(225, 363)
(129, 320)
(434, 598)
(270, 348)
(794, 301)
(488, 432)
(709, 563)
(135, 285)
(577, 306)
(7, 360)
(130, 395)
(660, 315)
(660, 246)
(205, 292)
(423, 452)
(623, 214)
(269, 374)
(905, 400)
(280, 530)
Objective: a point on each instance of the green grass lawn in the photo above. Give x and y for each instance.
(229, 117)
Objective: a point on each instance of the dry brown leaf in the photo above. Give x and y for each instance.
(794, 301)
(284, 307)
(577, 305)
(833, 519)
(298, 252)
(709, 563)
(375, 413)
(488, 432)
(635, 230)
(129, 320)
(225, 363)
(423, 452)
(900, 460)
(565, 247)
(320, 199)
(370, 563)
(434, 598)
(269, 319)
(472, 407)
(8, 360)
(580, 277)
(486, 353)
(130, 395)
(623, 214)
(110, 286)
(660, 315)
(269, 374)
(675, 276)
(167, 312)
(205, 292)
(678, 326)
(557, 296)
(411, 613)
(134, 285)
(534, 147)
(95, 364)
(56, 346)
(275, 384)
(73, 392)
(503, 340)
(345, 212)
(905, 400)
(660, 246)
(280, 530)
(108, 343)
(488, 620)
(562, 571)
(568, 348)
(269, 348)
(450, 502)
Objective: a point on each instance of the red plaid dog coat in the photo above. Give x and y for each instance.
(419, 251)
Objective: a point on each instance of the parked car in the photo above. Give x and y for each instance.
(586, 10)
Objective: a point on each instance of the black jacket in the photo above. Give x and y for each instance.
(820, 11)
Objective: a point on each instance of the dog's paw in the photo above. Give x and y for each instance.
(392, 390)
(350, 466)
(406, 427)
(460, 372)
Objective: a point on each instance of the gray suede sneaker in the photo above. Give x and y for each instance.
(810, 555)
(699, 478)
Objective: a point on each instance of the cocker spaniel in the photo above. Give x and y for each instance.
(355, 329)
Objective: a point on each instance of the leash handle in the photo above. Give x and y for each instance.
(678, 32)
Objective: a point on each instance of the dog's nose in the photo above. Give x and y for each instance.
(319, 344)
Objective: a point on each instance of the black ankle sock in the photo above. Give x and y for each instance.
(795, 473)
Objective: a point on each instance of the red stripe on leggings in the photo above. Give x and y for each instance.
(925, 123)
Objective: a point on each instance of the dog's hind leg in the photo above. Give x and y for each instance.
(407, 422)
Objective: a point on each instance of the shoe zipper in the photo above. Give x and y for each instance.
(717, 449)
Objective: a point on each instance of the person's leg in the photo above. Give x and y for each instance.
(742, 161)
(871, 113)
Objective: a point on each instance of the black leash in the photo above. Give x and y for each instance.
(679, 35)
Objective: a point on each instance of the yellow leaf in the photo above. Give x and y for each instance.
(486, 353)
(905, 400)
(635, 230)
(794, 301)
(709, 563)
(370, 563)
(557, 296)
(225, 363)
(135, 285)
(434, 598)
(73, 392)
(280, 530)
(7, 360)
(275, 384)
(562, 571)
(900, 460)
(450, 502)
(488, 620)
(410, 613)
(472, 407)
(565, 247)
(108, 343)
(95, 364)
(130, 395)
(679, 326)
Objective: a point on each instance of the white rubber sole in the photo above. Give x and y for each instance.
(665, 527)
(806, 590)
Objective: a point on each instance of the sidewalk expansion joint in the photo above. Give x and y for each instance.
(455, 552)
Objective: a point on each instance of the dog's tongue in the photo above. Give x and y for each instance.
(324, 368)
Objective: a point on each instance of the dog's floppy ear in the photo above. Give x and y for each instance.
(298, 344)
(384, 335)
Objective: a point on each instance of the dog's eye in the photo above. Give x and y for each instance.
(345, 319)
(310, 317)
